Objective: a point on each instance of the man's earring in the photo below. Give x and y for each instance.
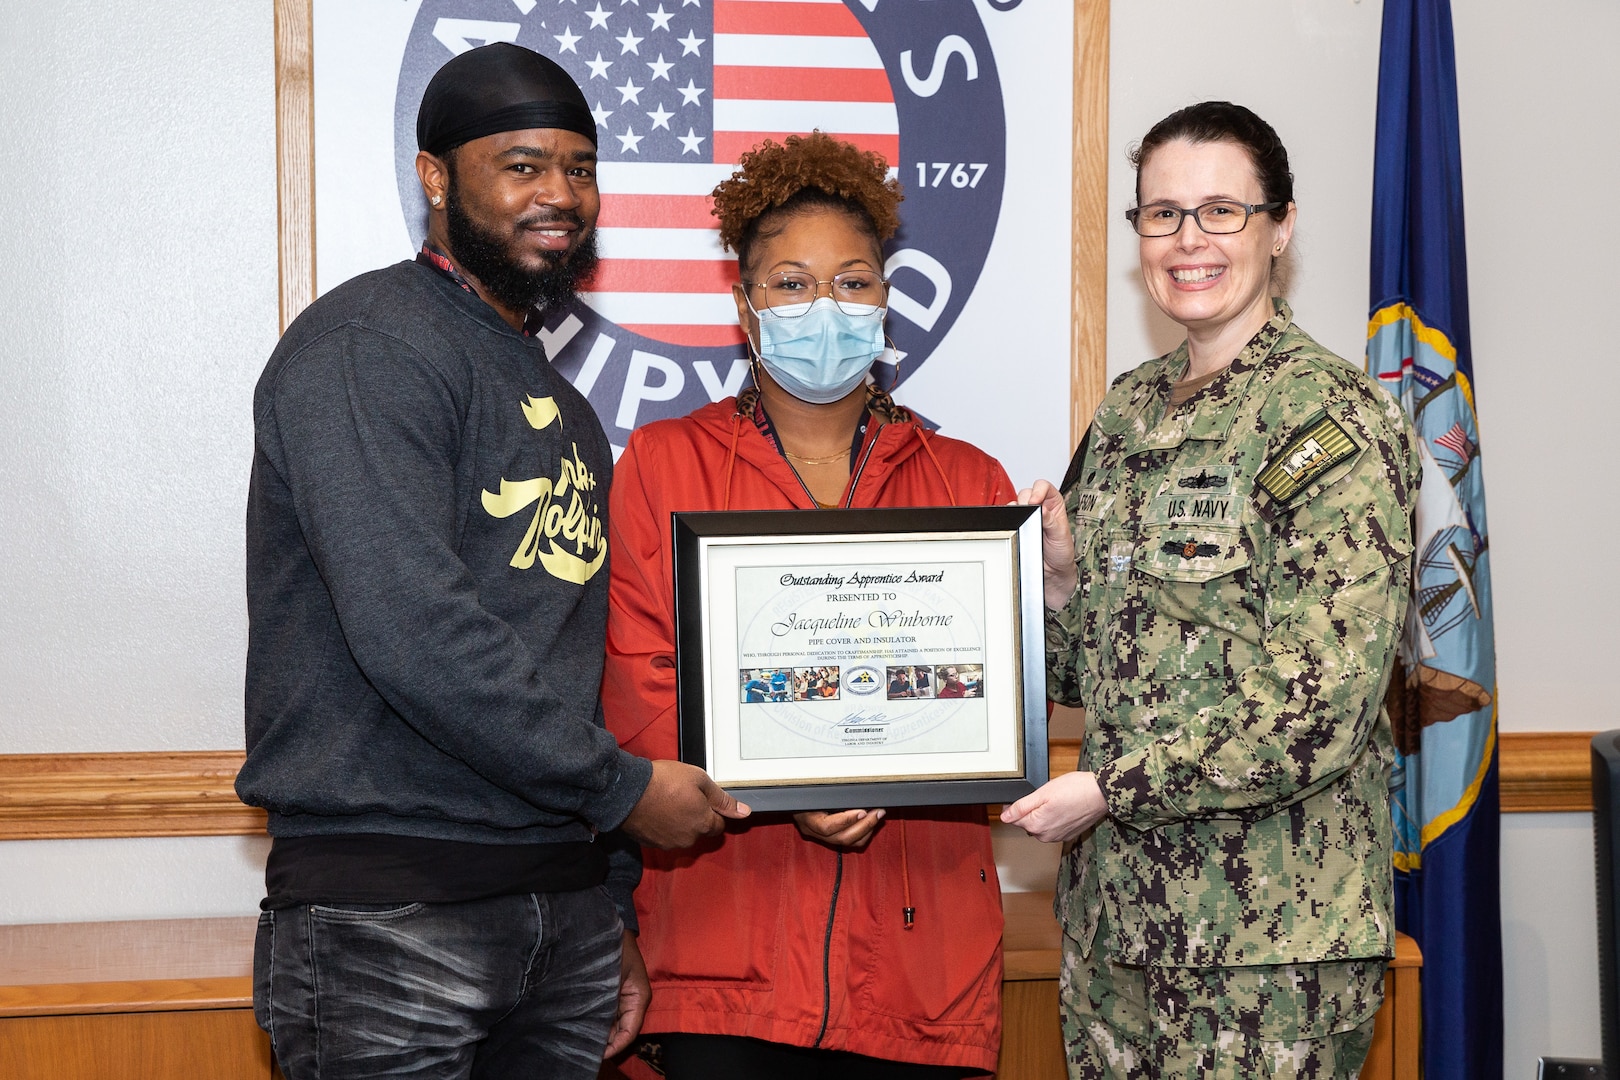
(437, 199)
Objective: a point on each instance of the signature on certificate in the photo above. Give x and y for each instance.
(864, 719)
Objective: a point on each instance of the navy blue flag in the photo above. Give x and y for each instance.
(1443, 697)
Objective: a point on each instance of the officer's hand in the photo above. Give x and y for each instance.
(1059, 810)
(844, 829)
(1057, 542)
(634, 994)
(680, 806)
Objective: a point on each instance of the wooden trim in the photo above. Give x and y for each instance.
(295, 156)
(158, 995)
(1088, 342)
(73, 796)
(1545, 771)
(77, 796)
(1540, 772)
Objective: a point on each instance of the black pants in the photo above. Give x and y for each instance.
(730, 1057)
(522, 985)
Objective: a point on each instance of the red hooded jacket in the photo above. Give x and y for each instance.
(761, 932)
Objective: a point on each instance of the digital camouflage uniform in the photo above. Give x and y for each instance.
(1245, 563)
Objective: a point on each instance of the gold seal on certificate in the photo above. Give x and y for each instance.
(862, 658)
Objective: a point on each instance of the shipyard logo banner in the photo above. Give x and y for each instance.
(680, 90)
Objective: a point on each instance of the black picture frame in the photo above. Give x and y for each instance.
(1017, 527)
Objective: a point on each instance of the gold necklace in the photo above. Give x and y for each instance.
(842, 455)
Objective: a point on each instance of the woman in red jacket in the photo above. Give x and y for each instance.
(864, 941)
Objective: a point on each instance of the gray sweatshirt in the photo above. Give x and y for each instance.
(427, 578)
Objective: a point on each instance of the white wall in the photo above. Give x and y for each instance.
(1540, 139)
(1549, 940)
(1309, 67)
(140, 281)
(1538, 90)
(140, 180)
(140, 285)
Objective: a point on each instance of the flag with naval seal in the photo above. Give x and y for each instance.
(1443, 696)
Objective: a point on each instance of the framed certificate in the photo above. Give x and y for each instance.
(862, 658)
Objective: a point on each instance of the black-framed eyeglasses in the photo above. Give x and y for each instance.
(1221, 217)
(789, 293)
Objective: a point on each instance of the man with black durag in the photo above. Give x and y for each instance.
(427, 596)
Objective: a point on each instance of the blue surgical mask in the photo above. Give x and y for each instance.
(818, 352)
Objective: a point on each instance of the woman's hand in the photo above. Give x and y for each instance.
(852, 829)
(1059, 810)
(1057, 542)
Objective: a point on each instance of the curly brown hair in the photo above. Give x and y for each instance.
(802, 172)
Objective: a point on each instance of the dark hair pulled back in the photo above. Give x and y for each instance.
(1222, 121)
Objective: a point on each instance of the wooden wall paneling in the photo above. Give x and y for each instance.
(1031, 1033)
(1406, 1007)
(1380, 1062)
(295, 156)
(157, 999)
(120, 967)
(1397, 1033)
(1031, 938)
(222, 1044)
(1088, 344)
(1063, 756)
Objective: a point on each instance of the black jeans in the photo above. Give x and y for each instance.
(507, 987)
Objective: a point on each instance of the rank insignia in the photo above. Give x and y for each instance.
(1204, 479)
(1119, 560)
(1190, 549)
(1311, 452)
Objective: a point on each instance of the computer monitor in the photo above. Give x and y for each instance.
(1606, 830)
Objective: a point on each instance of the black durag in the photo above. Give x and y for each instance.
(494, 88)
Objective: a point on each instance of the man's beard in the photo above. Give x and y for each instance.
(487, 256)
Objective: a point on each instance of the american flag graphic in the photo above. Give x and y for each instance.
(683, 88)
(1456, 440)
(680, 90)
